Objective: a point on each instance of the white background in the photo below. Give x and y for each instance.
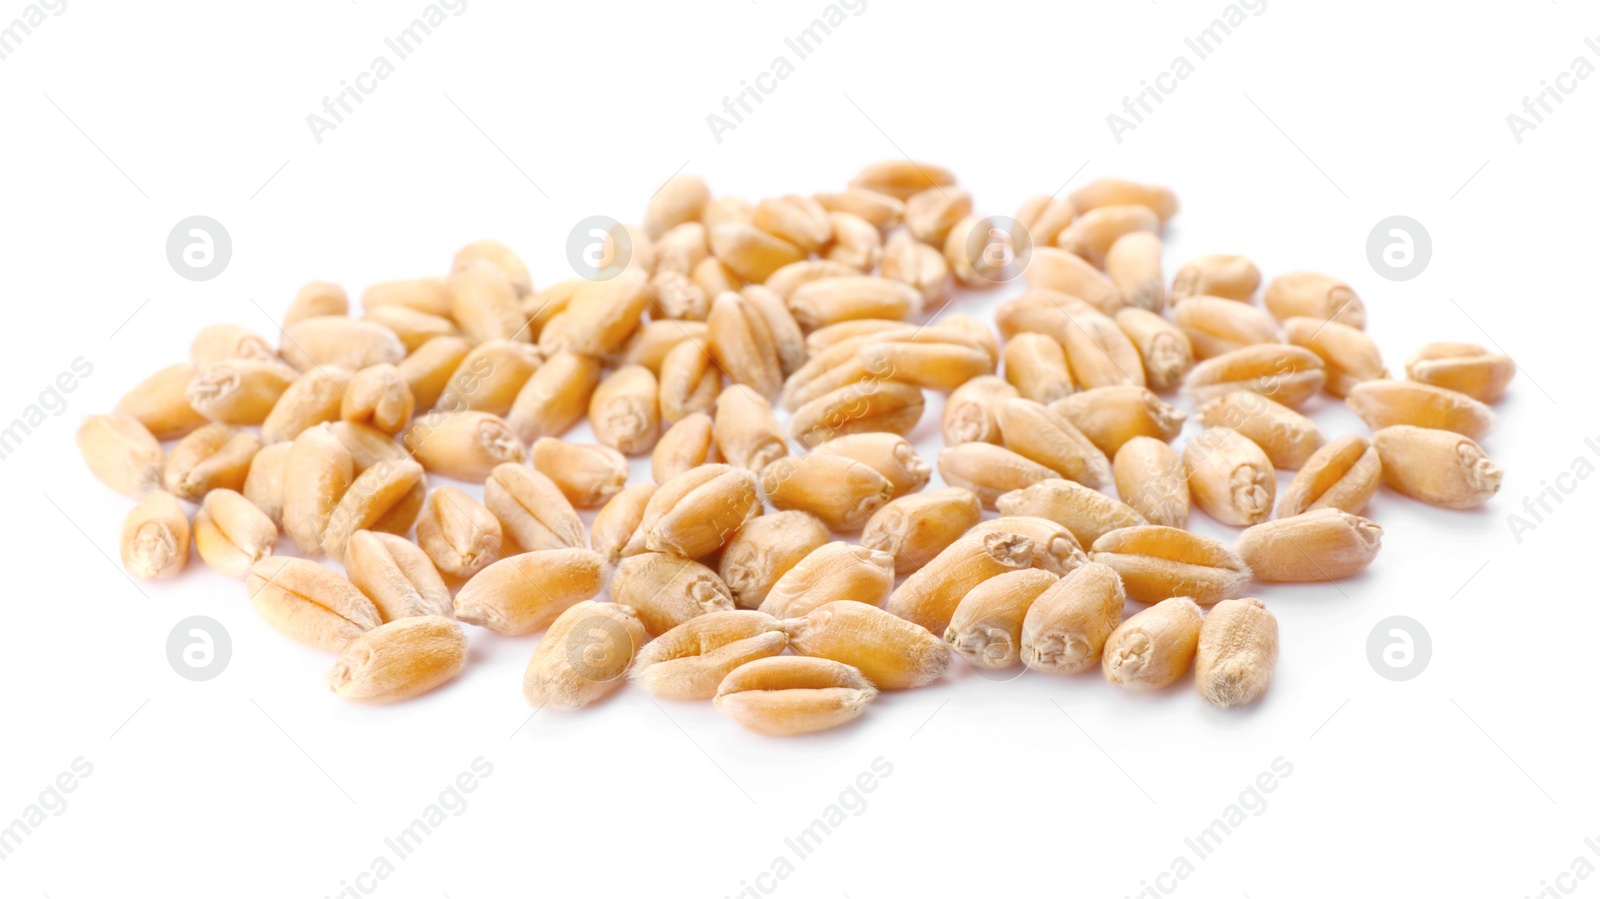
(1307, 126)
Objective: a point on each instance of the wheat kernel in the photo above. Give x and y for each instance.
(1310, 295)
(231, 534)
(840, 491)
(161, 403)
(682, 199)
(1154, 647)
(554, 397)
(1348, 354)
(1287, 437)
(522, 594)
(625, 410)
(890, 455)
(457, 532)
(263, 486)
(1237, 652)
(489, 377)
(316, 298)
(746, 432)
(463, 445)
(764, 550)
(833, 571)
(214, 457)
(1121, 192)
(788, 695)
(1217, 275)
(1230, 477)
(316, 475)
(666, 590)
(531, 509)
(1463, 367)
(1285, 374)
(915, 528)
(1163, 348)
(121, 452)
(1055, 269)
(989, 471)
(1134, 265)
(584, 656)
(1215, 325)
(1384, 403)
(688, 444)
(1040, 434)
(1111, 416)
(155, 537)
(396, 575)
(1152, 481)
(969, 411)
(891, 653)
(310, 603)
(692, 659)
(696, 513)
(382, 498)
(1325, 545)
(1086, 512)
(986, 629)
(311, 399)
(1158, 562)
(1440, 468)
(618, 520)
(399, 660)
(1065, 628)
(1096, 228)
(930, 595)
(1343, 474)
(587, 475)
(1036, 365)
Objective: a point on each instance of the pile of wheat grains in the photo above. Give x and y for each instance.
(785, 561)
